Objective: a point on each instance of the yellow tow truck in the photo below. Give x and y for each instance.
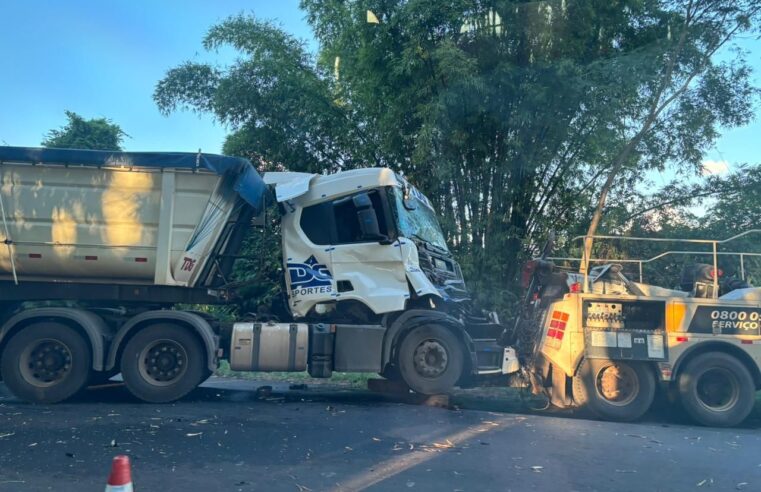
(607, 343)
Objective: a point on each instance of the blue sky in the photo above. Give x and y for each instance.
(103, 58)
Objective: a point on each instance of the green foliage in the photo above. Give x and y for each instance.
(92, 134)
(261, 269)
(509, 115)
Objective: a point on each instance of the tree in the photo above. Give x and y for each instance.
(277, 101)
(509, 115)
(686, 94)
(79, 133)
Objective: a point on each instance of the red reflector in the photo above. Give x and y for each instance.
(681, 339)
(551, 333)
(35, 255)
(91, 258)
(747, 342)
(575, 288)
(141, 260)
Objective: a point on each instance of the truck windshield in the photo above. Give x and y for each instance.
(416, 220)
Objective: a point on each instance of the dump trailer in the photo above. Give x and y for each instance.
(602, 341)
(102, 249)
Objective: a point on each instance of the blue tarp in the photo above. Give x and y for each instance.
(249, 183)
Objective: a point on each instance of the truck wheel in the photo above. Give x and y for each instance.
(430, 360)
(716, 389)
(163, 363)
(614, 390)
(46, 363)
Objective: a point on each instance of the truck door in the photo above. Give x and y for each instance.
(367, 264)
(365, 260)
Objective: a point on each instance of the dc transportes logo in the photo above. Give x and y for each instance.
(310, 277)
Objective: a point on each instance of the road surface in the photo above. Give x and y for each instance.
(228, 436)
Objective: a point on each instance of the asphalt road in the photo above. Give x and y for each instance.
(228, 436)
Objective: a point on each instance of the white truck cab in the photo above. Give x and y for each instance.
(365, 235)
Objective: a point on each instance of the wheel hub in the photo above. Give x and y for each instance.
(618, 384)
(162, 362)
(717, 389)
(430, 358)
(45, 362)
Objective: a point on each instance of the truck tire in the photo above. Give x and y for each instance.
(162, 363)
(430, 359)
(46, 362)
(716, 389)
(614, 390)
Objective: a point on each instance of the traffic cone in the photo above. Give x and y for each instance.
(120, 479)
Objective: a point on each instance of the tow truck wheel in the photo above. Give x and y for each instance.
(430, 360)
(163, 363)
(716, 389)
(614, 390)
(46, 363)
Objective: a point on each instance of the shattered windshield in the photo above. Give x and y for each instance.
(415, 219)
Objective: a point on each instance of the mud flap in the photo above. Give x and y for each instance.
(559, 391)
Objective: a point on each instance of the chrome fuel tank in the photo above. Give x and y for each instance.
(269, 347)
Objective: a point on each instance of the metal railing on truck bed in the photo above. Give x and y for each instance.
(714, 253)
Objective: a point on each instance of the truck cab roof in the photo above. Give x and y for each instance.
(307, 188)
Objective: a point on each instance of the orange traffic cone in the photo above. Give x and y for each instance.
(120, 479)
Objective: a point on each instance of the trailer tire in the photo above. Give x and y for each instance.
(716, 389)
(46, 362)
(614, 390)
(162, 363)
(430, 359)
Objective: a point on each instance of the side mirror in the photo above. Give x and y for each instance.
(368, 219)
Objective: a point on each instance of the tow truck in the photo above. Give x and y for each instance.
(601, 341)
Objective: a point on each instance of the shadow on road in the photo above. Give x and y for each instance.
(497, 400)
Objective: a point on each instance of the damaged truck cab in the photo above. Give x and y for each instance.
(359, 236)
(365, 259)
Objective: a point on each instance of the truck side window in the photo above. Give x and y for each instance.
(317, 222)
(336, 222)
(347, 222)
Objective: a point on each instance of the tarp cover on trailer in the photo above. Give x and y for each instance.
(249, 184)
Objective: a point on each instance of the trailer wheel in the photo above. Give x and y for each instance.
(716, 389)
(162, 363)
(46, 363)
(614, 390)
(430, 359)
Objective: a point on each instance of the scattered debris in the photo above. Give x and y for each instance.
(263, 391)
